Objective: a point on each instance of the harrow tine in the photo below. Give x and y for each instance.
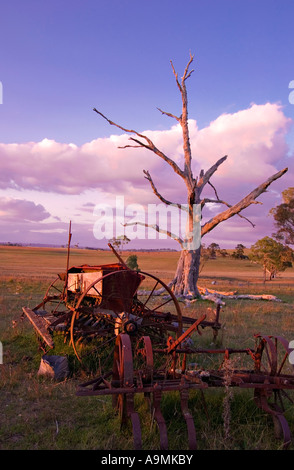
(189, 419)
(281, 425)
(134, 417)
(282, 429)
(137, 435)
(160, 420)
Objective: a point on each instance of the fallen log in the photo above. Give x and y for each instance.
(205, 290)
(214, 296)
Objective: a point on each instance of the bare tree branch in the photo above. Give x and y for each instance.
(165, 201)
(241, 205)
(205, 177)
(214, 189)
(170, 115)
(176, 76)
(219, 201)
(188, 74)
(150, 145)
(184, 122)
(158, 229)
(117, 125)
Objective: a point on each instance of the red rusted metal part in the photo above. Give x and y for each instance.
(270, 346)
(112, 294)
(184, 394)
(265, 381)
(149, 363)
(273, 364)
(123, 372)
(146, 352)
(158, 416)
(282, 430)
(78, 299)
(173, 345)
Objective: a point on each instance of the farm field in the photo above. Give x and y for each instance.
(42, 414)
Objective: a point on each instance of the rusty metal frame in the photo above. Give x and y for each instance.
(156, 383)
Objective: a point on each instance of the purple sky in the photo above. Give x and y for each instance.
(59, 159)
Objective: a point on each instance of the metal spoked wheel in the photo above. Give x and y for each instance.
(123, 377)
(125, 302)
(273, 352)
(53, 300)
(272, 359)
(157, 305)
(144, 359)
(54, 309)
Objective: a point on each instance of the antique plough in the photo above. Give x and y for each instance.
(131, 326)
(92, 305)
(134, 372)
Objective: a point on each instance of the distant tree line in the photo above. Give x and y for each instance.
(213, 250)
(10, 244)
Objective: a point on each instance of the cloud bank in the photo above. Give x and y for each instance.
(254, 140)
(16, 210)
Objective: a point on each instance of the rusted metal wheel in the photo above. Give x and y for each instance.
(144, 358)
(272, 355)
(157, 304)
(123, 377)
(144, 353)
(53, 300)
(92, 316)
(54, 310)
(114, 310)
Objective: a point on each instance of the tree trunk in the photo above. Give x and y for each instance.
(264, 274)
(187, 273)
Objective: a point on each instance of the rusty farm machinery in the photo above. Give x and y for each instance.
(92, 305)
(151, 348)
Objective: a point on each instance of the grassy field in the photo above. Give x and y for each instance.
(39, 413)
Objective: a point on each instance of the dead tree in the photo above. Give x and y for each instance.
(187, 272)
